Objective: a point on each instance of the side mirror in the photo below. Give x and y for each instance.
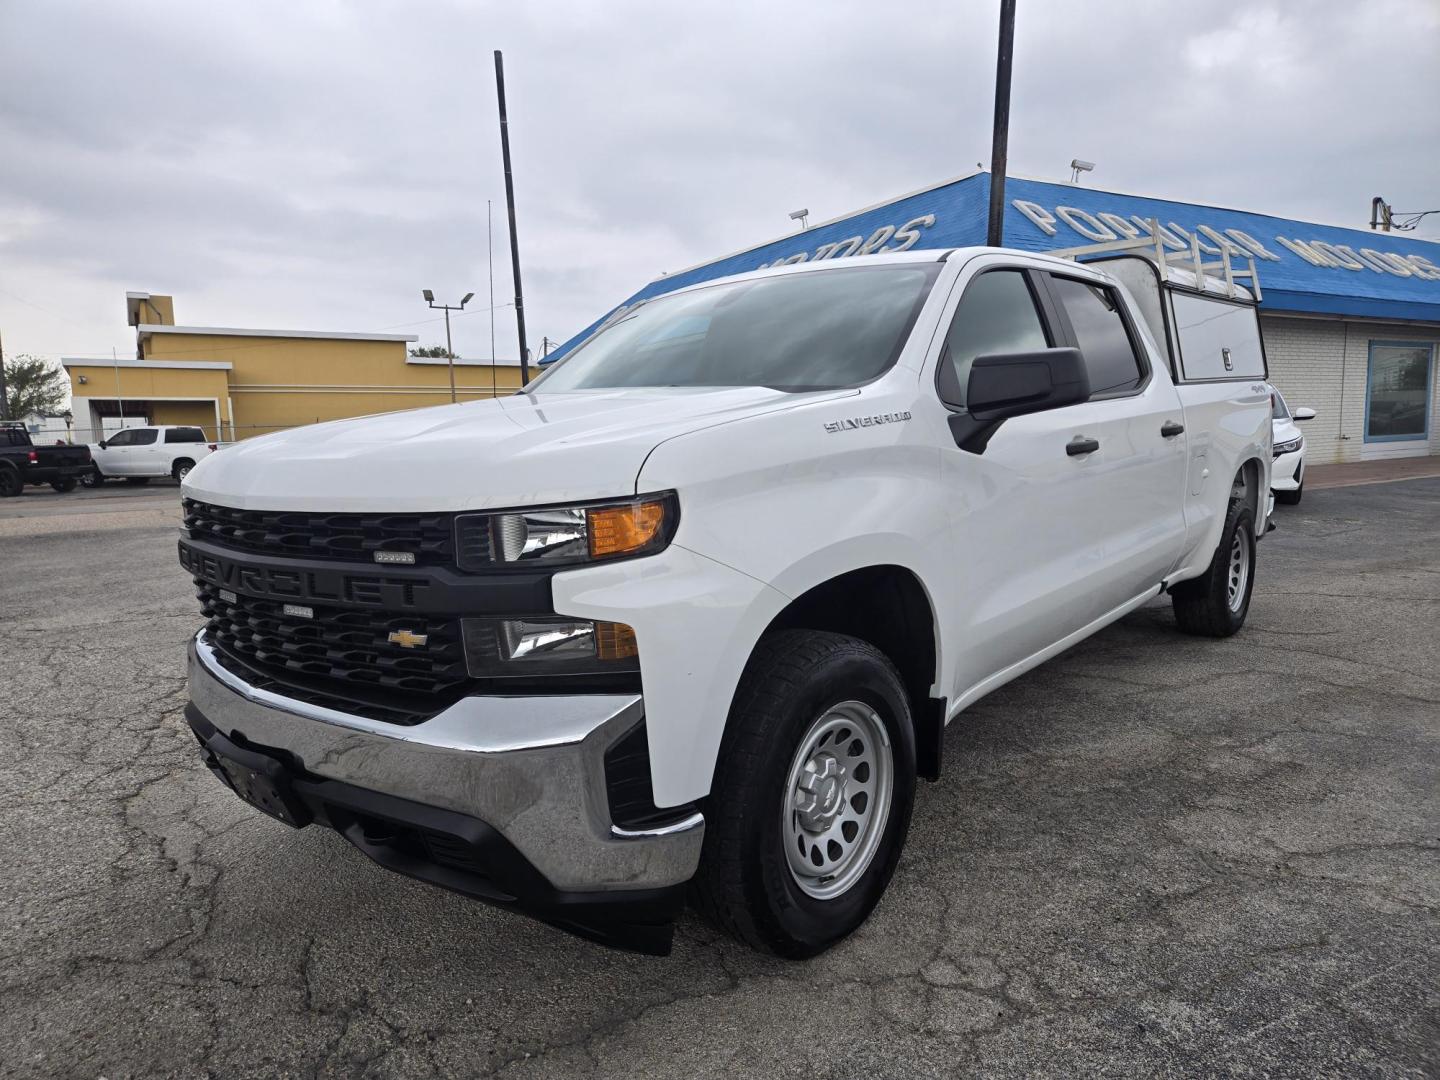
(103, 445)
(1003, 385)
(1303, 414)
(1017, 384)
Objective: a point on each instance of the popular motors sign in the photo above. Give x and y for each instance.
(1104, 225)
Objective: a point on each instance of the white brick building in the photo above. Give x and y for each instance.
(1351, 316)
(1325, 363)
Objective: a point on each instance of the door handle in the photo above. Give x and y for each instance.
(1170, 429)
(1081, 445)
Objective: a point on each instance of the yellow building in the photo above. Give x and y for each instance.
(236, 383)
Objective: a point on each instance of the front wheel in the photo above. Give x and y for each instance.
(93, 478)
(1215, 604)
(812, 794)
(1291, 498)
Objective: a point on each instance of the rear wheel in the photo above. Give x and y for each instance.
(1215, 604)
(1290, 498)
(812, 794)
(181, 469)
(64, 484)
(10, 483)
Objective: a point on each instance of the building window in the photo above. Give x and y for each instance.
(1397, 392)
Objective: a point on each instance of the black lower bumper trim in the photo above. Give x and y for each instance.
(453, 851)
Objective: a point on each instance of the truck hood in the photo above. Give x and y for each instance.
(479, 455)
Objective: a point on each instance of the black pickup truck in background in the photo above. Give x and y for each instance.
(22, 462)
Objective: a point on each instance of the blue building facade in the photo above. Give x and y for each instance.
(1351, 316)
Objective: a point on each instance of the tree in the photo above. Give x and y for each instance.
(34, 385)
(430, 350)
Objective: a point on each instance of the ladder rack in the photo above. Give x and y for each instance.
(1153, 247)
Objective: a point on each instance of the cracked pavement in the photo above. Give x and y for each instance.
(1155, 855)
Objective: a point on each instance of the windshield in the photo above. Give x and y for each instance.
(1278, 410)
(806, 331)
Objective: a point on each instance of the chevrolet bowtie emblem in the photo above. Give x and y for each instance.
(407, 639)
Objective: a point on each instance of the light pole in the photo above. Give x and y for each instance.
(1000, 135)
(449, 349)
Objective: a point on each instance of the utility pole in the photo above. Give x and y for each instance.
(4, 390)
(510, 205)
(1000, 138)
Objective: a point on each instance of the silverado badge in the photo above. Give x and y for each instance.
(851, 423)
(407, 639)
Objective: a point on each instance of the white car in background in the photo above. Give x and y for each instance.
(1287, 471)
(139, 454)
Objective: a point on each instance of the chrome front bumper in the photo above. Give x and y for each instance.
(531, 768)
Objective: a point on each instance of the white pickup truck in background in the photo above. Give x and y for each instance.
(689, 614)
(140, 454)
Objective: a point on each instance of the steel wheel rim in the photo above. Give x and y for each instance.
(836, 800)
(182, 472)
(1238, 572)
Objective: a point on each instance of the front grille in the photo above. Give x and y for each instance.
(352, 537)
(340, 658)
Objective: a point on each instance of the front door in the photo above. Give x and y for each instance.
(113, 458)
(1397, 399)
(1048, 536)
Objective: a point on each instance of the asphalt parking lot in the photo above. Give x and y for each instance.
(1155, 855)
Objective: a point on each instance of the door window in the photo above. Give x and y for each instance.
(1101, 335)
(996, 315)
(1397, 396)
(120, 438)
(142, 436)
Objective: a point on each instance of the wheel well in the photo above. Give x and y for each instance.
(1246, 486)
(888, 607)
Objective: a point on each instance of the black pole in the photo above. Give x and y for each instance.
(4, 390)
(999, 146)
(510, 206)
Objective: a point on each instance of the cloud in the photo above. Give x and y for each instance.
(316, 166)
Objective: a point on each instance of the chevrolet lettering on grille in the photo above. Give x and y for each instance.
(282, 583)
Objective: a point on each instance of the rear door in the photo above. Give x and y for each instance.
(1135, 417)
(146, 456)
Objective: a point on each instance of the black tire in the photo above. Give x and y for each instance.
(10, 483)
(93, 478)
(1204, 606)
(1291, 498)
(745, 884)
(64, 484)
(138, 481)
(181, 469)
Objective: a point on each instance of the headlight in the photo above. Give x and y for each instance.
(565, 535)
(548, 645)
(1289, 445)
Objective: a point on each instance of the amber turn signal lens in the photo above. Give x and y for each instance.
(615, 641)
(619, 530)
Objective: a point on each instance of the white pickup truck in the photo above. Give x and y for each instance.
(689, 614)
(140, 454)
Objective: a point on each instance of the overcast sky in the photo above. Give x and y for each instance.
(314, 165)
